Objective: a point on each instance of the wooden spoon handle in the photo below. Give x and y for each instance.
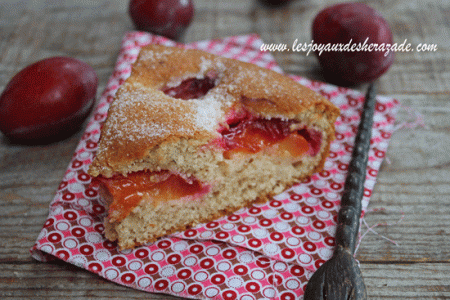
(350, 212)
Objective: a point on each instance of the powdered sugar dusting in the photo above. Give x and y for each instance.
(136, 115)
(214, 68)
(153, 55)
(208, 110)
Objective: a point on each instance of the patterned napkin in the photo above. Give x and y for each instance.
(268, 251)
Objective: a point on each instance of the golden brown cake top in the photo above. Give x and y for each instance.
(142, 116)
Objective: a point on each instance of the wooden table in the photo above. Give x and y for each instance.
(414, 181)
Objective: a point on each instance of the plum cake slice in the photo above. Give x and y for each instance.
(191, 136)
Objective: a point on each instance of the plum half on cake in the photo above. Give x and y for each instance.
(192, 136)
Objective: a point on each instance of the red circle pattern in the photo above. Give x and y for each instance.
(249, 245)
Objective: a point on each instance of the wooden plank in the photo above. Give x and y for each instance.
(416, 183)
(407, 281)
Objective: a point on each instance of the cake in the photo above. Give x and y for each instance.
(191, 136)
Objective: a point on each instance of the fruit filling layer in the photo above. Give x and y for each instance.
(127, 192)
(250, 134)
(191, 88)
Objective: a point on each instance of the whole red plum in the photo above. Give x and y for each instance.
(358, 24)
(47, 100)
(168, 18)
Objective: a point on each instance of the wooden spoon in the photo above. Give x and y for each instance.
(340, 277)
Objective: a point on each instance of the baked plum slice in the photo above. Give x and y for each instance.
(124, 193)
(191, 88)
(251, 134)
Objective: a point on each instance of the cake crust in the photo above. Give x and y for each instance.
(142, 117)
